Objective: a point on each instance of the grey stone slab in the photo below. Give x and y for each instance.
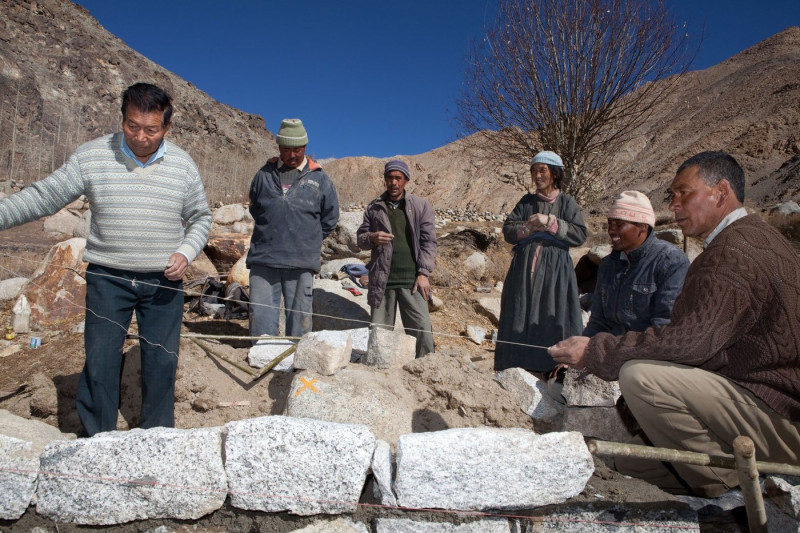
(382, 472)
(19, 469)
(489, 468)
(410, 525)
(338, 525)
(616, 518)
(118, 477)
(389, 349)
(304, 466)
(265, 351)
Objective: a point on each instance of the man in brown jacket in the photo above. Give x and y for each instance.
(400, 230)
(728, 364)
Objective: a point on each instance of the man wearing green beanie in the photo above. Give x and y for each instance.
(294, 205)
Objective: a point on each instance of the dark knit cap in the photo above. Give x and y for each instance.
(396, 164)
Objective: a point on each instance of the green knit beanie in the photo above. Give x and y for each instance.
(292, 133)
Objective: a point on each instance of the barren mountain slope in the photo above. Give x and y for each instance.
(748, 105)
(61, 74)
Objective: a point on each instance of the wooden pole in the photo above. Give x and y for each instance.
(745, 453)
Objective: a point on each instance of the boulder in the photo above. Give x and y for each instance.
(342, 242)
(323, 352)
(389, 349)
(265, 351)
(57, 292)
(9, 288)
(475, 265)
(481, 469)
(240, 273)
(584, 389)
(476, 334)
(83, 226)
(136, 475)
(531, 394)
(228, 248)
(228, 214)
(355, 395)
(337, 309)
(19, 467)
(201, 268)
(300, 465)
(604, 423)
(490, 308)
(62, 224)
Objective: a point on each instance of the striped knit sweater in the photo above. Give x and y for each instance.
(140, 216)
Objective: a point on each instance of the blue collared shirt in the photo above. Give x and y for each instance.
(162, 149)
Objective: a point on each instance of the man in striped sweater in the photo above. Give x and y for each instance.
(150, 219)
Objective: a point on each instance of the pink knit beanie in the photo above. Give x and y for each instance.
(633, 206)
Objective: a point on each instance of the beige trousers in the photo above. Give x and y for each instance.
(686, 408)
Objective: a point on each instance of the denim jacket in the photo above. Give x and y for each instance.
(637, 290)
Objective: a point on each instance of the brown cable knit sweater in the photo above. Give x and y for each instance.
(738, 315)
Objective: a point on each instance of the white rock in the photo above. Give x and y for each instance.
(476, 334)
(530, 392)
(490, 308)
(475, 265)
(583, 389)
(303, 466)
(382, 471)
(9, 288)
(19, 467)
(62, 223)
(21, 315)
(323, 352)
(228, 214)
(489, 468)
(117, 477)
(265, 351)
(389, 349)
(360, 338)
(410, 525)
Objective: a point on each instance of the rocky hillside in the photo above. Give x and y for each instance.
(61, 75)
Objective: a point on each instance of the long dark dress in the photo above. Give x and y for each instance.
(539, 305)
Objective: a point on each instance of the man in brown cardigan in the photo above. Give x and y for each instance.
(728, 364)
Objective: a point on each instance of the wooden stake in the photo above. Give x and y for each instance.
(745, 453)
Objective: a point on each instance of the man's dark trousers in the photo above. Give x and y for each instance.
(112, 296)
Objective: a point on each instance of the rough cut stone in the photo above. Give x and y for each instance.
(530, 392)
(490, 308)
(389, 349)
(360, 337)
(57, 294)
(84, 225)
(9, 288)
(228, 214)
(603, 423)
(382, 472)
(323, 352)
(489, 468)
(117, 477)
(264, 352)
(357, 394)
(337, 309)
(583, 389)
(668, 517)
(410, 525)
(19, 468)
(339, 525)
(303, 466)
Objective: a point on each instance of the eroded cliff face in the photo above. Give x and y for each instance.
(61, 76)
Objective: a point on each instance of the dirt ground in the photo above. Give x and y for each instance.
(457, 383)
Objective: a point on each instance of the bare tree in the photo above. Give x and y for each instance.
(573, 76)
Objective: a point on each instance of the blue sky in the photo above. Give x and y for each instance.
(367, 78)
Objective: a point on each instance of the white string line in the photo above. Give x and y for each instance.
(229, 299)
(86, 309)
